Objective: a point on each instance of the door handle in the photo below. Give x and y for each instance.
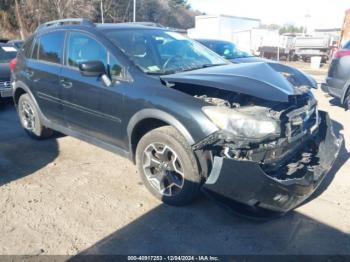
(66, 84)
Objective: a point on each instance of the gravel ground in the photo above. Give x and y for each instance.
(64, 197)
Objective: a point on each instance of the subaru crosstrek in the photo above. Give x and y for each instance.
(249, 133)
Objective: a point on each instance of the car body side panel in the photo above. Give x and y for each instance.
(335, 87)
(171, 106)
(338, 79)
(84, 106)
(43, 80)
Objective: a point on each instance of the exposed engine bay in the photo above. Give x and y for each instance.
(273, 146)
(300, 155)
(269, 97)
(297, 120)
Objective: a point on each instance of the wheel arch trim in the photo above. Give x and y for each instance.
(159, 115)
(22, 85)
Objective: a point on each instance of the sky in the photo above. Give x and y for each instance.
(323, 13)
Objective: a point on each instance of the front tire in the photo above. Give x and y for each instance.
(30, 120)
(168, 166)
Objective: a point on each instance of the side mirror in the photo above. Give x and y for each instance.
(92, 68)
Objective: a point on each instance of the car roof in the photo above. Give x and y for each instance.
(99, 27)
(127, 26)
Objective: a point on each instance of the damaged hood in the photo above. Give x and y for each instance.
(265, 80)
(299, 77)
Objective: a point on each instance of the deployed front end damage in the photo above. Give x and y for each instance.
(285, 180)
(273, 148)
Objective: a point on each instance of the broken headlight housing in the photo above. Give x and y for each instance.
(242, 124)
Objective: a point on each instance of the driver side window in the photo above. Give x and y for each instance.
(82, 48)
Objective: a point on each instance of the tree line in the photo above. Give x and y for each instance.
(20, 18)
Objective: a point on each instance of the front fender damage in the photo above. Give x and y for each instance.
(256, 186)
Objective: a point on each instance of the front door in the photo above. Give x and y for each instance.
(91, 107)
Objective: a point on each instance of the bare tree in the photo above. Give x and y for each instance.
(21, 17)
(22, 30)
(72, 8)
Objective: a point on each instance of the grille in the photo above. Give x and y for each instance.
(5, 84)
(302, 121)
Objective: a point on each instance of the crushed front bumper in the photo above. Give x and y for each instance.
(247, 183)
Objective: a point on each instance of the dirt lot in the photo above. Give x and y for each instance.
(64, 196)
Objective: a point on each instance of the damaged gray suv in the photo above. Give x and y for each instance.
(249, 134)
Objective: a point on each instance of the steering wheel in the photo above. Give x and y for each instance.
(171, 60)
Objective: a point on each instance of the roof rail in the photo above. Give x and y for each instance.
(68, 21)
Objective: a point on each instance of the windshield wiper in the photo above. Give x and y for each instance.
(203, 66)
(211, 65)
(154, 73)
(179, 70)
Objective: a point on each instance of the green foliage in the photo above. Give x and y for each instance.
(290, 29)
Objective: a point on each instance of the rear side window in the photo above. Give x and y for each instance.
(49, 47)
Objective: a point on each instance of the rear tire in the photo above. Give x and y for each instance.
(168, 166)
(30, 118)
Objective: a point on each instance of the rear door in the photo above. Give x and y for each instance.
(43, 71)
(90, 106)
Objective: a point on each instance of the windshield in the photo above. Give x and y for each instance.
(163, 52)
(7, 53)
(226, 49)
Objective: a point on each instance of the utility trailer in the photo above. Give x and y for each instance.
(306, 47)
(264, 42)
